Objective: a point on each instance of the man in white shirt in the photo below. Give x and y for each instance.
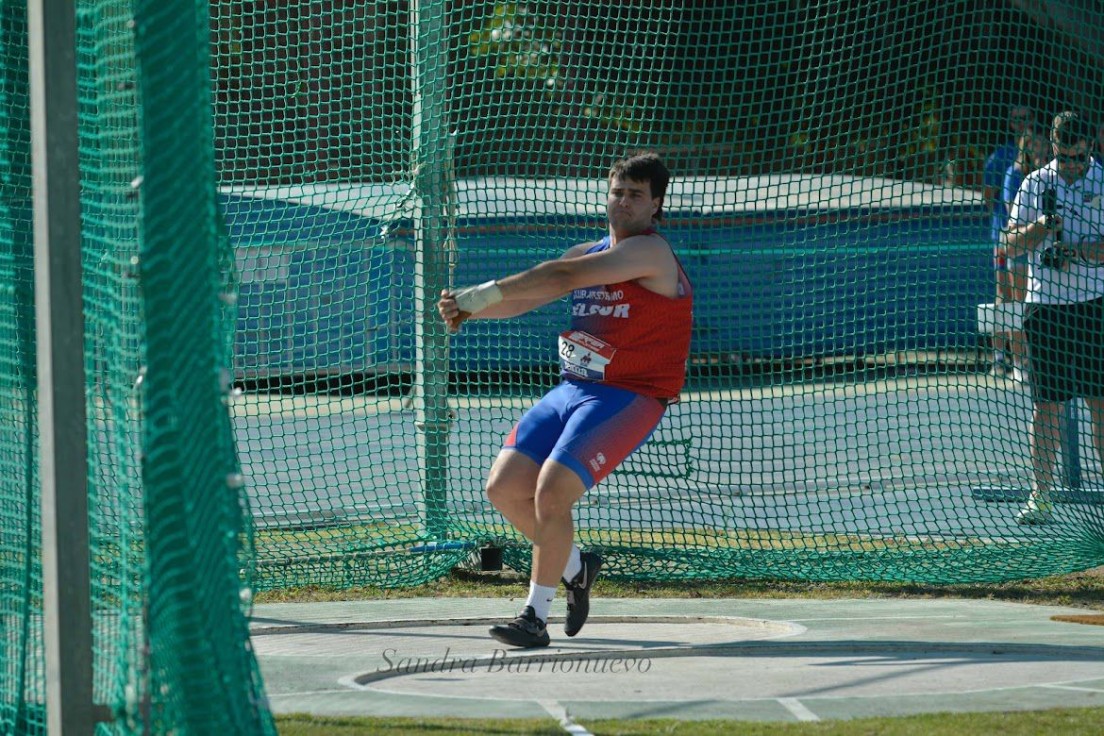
(1057, 219)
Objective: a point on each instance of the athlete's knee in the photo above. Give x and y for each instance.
(557, 493)
(510, 483)
(504, 493)
(553, 503)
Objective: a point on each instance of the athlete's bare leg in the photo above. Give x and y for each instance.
(558, 488)
(512, 488)
(537, 501)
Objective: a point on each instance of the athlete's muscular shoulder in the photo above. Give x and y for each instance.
(648, 245)
(579, 250)
(657, 263)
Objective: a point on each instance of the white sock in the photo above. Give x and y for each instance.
(540, 598)
(574, 563)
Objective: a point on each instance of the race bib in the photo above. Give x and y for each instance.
(584, 355)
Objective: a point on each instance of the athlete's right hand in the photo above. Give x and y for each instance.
(450, 313)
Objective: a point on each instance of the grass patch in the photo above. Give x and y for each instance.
(332, 539)
(308, 725)
(1065, 721)
(1082, 589)
(761, 539)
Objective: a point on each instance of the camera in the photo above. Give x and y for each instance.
(1053, 256)
(1050, 209)
(1050, 202)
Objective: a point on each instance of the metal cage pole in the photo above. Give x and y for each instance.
(431, 166)
(59, 319)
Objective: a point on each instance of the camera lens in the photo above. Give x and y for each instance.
(1051, 258)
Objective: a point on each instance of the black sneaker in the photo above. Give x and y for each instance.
(526, 631)
(578, 593)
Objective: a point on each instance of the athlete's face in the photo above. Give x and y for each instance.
(630, 206)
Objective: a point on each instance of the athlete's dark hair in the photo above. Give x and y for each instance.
(645, 166)
(1069, 129)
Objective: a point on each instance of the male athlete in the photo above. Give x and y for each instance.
(623, 362)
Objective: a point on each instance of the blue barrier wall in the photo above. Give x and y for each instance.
(326, 292)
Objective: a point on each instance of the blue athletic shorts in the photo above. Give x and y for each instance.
(589, 427)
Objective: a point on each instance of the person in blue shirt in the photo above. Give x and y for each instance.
(1033, 153)
(1021, 119)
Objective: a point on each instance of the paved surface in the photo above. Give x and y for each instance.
(770, 660)
(858, 458)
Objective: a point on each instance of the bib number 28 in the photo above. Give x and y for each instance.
(584, 355)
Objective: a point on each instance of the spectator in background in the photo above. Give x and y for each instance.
(1033, 153)
(1056, 220)
(1020, 121)
(1100, 143)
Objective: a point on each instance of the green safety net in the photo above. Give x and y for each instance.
(273, 195)
(169, 532)
(20, 565)
(839, 420)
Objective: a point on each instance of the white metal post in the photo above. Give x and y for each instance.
(59, 319)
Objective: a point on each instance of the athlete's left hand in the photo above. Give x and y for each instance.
(451, 314)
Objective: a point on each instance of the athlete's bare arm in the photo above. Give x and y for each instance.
(644, 258)
(520, 302)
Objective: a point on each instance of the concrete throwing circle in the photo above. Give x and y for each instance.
(618, 646)
(720, 673)
(717, 659)
(423, 639)
(807, 661)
